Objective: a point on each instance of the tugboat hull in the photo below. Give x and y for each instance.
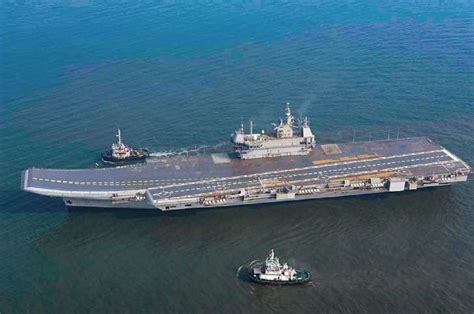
(303, 277)
(108, 157)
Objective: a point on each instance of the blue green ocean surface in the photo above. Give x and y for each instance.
(177, 74)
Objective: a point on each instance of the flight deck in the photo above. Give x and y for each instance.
(225, 180)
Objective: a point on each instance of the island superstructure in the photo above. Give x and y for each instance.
(287, 164)
(285, 140)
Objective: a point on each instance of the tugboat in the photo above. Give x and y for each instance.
(271, 272)
(121, 153)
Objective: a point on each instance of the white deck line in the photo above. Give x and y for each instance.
(106, 195)
(454, 157)
(25, 179)
(296, 169)
(313, 179)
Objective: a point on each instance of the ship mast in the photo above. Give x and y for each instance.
(289, 117)
(119, 137)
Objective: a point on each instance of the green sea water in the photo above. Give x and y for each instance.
(175, 75)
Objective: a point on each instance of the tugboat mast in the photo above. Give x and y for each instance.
(119, 137)
(289, 117)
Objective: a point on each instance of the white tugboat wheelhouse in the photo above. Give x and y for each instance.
(273, 272)
(119, 149)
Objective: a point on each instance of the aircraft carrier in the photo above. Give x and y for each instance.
(286, 164)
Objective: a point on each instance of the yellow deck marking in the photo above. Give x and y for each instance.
(324, 161)
(343, 159)
(366, 176)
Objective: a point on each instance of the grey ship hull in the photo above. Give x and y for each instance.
(221, 180)
(87, 202)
